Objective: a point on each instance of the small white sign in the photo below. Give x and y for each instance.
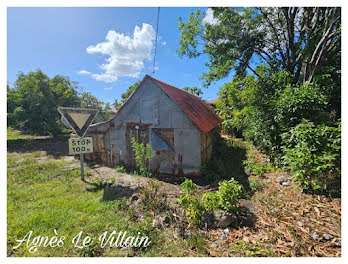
(80, 145)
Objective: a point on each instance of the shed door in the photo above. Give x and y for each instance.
(141, 133)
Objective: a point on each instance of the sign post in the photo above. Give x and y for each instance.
(82, 168)
(79, 119)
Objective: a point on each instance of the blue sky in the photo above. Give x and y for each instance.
(56, 41)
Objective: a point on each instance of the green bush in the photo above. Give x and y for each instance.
(229, 193)
(188, 186)
(256, 167)
(226, 198)
(191, 202)
(313, 154)
(143, 156)
(211, 201)
(121, 168)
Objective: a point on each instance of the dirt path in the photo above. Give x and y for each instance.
(110, 175)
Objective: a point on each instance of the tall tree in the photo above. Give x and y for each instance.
(34, 99)
(298, 40)
(87, 100)
(116, 104)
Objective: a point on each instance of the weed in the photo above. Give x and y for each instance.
(93, 250)
(241, 247)
(121, 168)
(153, 197)
(197, 242)
(256, 184)
(143, 156)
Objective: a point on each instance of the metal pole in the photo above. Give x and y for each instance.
(82, 168)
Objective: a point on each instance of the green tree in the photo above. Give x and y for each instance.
(116, 104)
(287, 67)
(129, 91)
(193, 90)
(87, 100)
(34, 99)
(107, 111)
(298, 40)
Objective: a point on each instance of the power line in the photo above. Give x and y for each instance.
(154, 57)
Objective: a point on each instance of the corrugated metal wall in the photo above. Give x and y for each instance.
(167, 124)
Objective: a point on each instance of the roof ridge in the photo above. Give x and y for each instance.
(182, 90)
(194, 109)
(174, 87)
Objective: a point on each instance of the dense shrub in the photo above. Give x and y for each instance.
(229, 193)
(226, 198)
(268, 111)
(313, 154)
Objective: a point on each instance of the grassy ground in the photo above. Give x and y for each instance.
(45, 193)
(14, 135)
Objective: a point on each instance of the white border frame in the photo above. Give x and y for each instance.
(154, 3)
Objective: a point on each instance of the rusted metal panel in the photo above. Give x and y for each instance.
(213, 101)
(194, 107)
(180, 128)
(165, 134)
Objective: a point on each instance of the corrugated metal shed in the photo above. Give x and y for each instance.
(194, 107)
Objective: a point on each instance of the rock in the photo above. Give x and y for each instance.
(248, 172)
(282, 178)
(299, 223)
(249, 204)
(166, 220)
(327, 236)
(134, 197)
(156, 223)
(275, 211)
(315, 236)
(218, 219)
(223, 237)
(226, 231)
(285, 184)
(187, 234)
(116, 191)
(337, 242)
(68, 158)
(208, 219)
(222, 219)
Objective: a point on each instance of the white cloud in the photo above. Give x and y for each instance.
(209, 17)
(84, 72)
(164, 43)
(126, 54)
(107, 88)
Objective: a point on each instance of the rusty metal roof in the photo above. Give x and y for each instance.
(194, 107)
(213, 101)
